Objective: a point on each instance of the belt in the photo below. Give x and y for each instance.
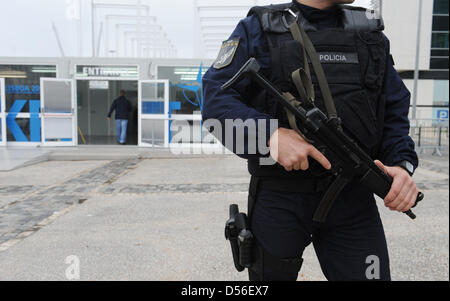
(306, 185)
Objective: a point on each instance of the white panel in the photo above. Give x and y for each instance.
(153, 113)
(58, 112)
(58, 128)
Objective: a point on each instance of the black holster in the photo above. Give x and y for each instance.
(237, 231)
(246, 252)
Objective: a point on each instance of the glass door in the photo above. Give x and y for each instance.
(58, 112)
(153, 108)
(2, 113)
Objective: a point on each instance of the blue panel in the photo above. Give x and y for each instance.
(16, 131)
(35, 121)
(153, 107)
(174, 105)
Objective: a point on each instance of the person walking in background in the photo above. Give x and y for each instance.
(123, 107)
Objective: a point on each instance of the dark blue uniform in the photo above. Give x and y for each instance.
(282, 221)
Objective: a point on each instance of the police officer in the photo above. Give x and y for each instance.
(371, 100)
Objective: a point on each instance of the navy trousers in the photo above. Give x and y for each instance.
(346, 244)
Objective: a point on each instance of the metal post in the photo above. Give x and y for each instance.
(58, 40)
(93, 27)
(118, 51)
(416, 70)
(99, 39)
(440, 137)
(437, 150)
(420, 136)
(153, 134)
(138, 5)
(107, 37)
(80, 30)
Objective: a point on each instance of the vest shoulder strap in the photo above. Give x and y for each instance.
(361, 19)
(271, 17)
(277, 18)
(260, 10)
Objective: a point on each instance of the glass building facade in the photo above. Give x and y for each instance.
(186, 99)
(22, 103)
(185, 88)
(439, 37)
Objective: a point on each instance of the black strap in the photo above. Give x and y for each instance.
(300, 36)
(291, 266)
(252, 195)
(329, 198)
(305, 87)
(283, 264)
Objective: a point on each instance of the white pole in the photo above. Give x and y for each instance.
(107, 37)
(80, 30)
(416, 70)
(100, 34)
(93, 27)
(139, 43)
(58, 40)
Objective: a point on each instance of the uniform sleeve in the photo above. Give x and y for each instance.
(231, 104)
(113, 107)
(397, 145)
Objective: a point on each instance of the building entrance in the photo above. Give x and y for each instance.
(95, 98)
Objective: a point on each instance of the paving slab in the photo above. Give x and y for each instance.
(29, 210)
(227, 169)
(47, 173)
(12, 158)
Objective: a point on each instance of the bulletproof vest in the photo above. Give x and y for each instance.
(353, 56)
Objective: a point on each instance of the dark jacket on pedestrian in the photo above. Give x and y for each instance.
(122, 106)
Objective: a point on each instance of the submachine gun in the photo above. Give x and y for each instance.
(349, 162)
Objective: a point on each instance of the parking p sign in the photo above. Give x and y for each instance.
(442, 114)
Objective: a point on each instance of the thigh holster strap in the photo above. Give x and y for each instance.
(262, 258)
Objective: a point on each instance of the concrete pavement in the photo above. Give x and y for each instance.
(163, 219)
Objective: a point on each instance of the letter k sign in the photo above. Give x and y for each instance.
(35, 122)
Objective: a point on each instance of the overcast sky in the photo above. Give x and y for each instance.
(26, 26)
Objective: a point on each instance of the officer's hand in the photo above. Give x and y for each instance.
(290, 150)
(107, 118)
(403, 193)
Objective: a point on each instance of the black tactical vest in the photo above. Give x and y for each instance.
(353, 57)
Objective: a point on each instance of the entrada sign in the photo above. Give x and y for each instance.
(107, 71)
